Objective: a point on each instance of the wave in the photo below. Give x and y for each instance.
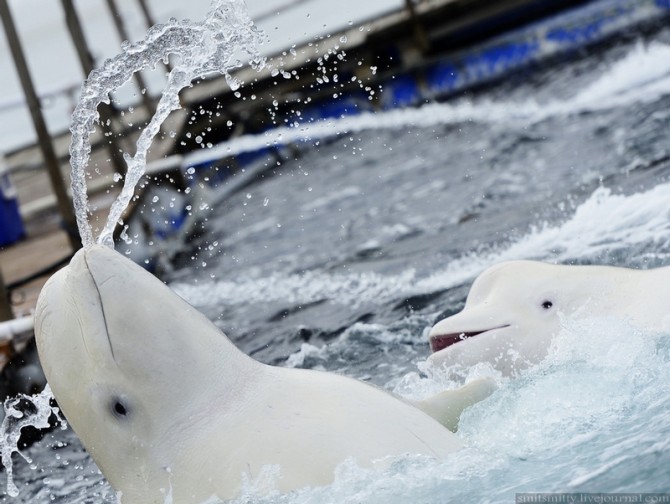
(605, 222)
(642, 76)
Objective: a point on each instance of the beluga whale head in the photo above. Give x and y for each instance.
(114, 343)
(172, 411)
(514, 309)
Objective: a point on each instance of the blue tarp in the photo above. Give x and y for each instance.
(11, 225)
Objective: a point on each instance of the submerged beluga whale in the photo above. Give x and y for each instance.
(514, 310)
(167, 406)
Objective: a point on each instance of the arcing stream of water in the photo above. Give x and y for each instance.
(197, 49)
(225, 40)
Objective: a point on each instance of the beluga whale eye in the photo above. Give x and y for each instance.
(119, 408)
(546, 304)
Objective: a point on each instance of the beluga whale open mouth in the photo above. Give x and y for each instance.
(440, 341)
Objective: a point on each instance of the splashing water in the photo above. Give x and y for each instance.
(198, 48)
(16, 418)
(572, 423)
(215, 45)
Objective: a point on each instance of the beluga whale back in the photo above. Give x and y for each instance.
(167, 406)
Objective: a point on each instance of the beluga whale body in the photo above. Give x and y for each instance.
(514, 309)
(167, 406)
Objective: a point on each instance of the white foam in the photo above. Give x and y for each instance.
(603, 223)
(643, 75)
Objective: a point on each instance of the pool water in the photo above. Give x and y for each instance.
(344, 257)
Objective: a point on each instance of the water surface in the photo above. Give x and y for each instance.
(343, 259)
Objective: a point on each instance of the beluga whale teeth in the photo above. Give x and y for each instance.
(167, 405)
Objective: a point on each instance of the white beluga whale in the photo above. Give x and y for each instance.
(167, 406)
(514, 309)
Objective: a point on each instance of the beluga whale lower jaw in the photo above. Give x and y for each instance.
(514, 310)
(167, 405)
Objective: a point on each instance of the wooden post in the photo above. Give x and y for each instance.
(123, 34)
(419, 33)
(48, 153)
(6, 312)
(150, 21)
(148, 18)
(86, 61)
